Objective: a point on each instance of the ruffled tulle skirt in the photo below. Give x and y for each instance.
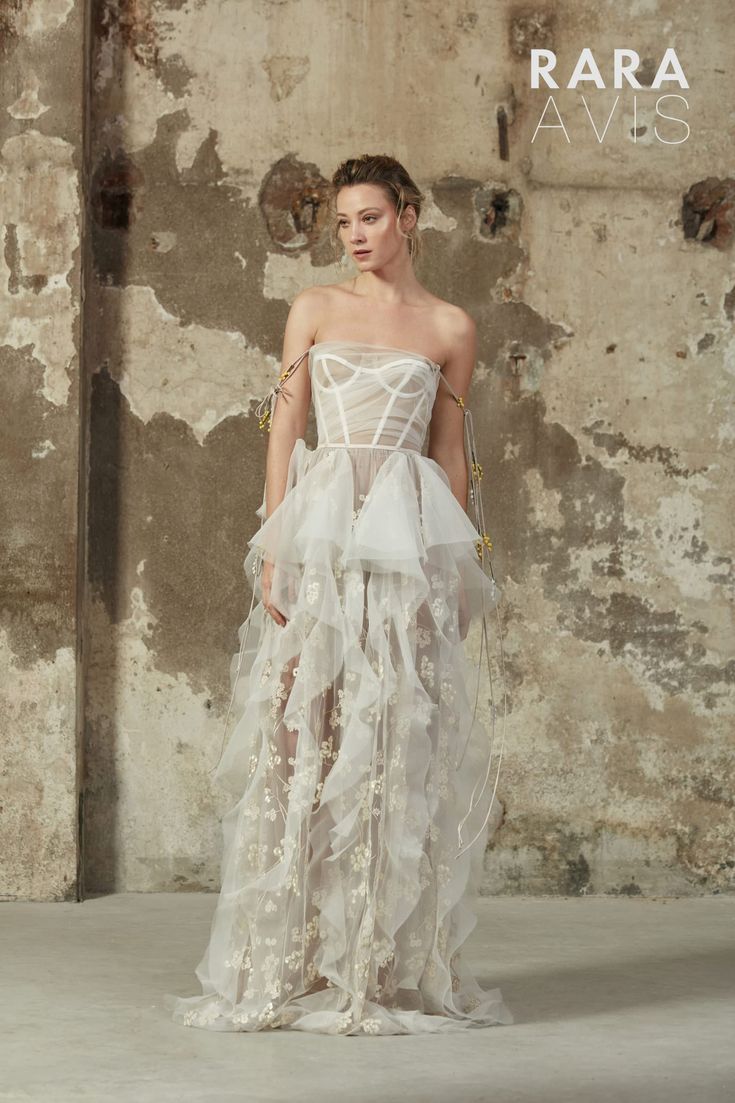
(353, 756)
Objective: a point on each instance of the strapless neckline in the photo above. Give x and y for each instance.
(384, 348)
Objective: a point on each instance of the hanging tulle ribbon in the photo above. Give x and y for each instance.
(265, 410)
(483, 551)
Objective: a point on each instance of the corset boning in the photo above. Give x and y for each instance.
(371, 398)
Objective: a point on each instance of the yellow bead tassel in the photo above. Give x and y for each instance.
(483, 546)
(486, 542)
(265, 407)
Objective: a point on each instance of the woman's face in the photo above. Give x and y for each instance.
(366, 221)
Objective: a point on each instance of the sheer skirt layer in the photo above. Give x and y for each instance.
(343, 907)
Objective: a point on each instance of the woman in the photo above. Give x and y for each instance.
(358, 832)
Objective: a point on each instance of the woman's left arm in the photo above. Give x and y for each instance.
(446, 445)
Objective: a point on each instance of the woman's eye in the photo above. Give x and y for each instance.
(371, 217)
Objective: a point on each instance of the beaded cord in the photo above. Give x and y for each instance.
(267, 404)
(483, 547)
(264, 411)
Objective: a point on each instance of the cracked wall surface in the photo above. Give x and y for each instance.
(40, 229)
(600, 275)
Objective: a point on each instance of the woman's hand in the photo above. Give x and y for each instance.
(266, 581)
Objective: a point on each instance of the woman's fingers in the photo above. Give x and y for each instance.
(277, 615)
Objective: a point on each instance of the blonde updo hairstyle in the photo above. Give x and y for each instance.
(391, 176)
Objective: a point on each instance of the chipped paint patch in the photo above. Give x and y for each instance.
(38, 19)
(28, 105)
(40, 451)
(39, 200)
(285, 73)
(707, 212)
(293, 202)
(199, 375)
(433, 217)
(163, 241)
(544, 501)
(284, 276)
(685, 554)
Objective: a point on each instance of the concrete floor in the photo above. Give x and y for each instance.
(615, 999)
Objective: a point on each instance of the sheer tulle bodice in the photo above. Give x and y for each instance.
(371, 396)
(357, 758)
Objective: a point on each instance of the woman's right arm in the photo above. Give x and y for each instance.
(289, 416)
(292, 404)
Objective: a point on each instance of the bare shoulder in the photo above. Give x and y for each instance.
(305, 314)
(459, 338)
(458, 328)
(456, 335)
(313, 302)
(309, 300)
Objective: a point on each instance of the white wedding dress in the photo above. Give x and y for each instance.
(357, 836)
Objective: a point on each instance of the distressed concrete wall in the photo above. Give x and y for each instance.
(601, 278)
(41, 71)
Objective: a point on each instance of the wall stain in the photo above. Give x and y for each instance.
(728, 304)
(174, 479)
(130, 25)
(531, 29)
(9, 11)
(38, 565)
(114, 188)
(707, 212)
(18, 281)
(615, 442)
(293, 200)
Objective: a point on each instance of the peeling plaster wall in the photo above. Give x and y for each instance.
(605, 363)
(40, 219)
(601, 279)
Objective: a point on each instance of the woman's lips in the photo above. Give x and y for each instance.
(362, 252)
